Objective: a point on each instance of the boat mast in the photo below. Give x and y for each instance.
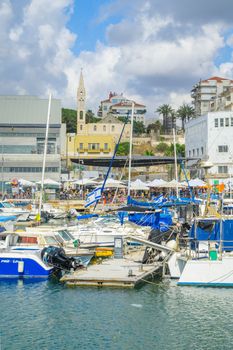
(45, 152)
(175, 158)
(130, 148)
(221, 229)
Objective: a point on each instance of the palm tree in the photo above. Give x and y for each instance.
(185, 113)
(166, 111)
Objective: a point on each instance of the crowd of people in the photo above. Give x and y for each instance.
(109, 195)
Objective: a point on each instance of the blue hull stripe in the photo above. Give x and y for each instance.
(202, 284)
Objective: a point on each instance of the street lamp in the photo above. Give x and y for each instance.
(206, 165)
(80, 161)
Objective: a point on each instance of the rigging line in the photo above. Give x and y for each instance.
(113, 157)
(119, 180)
(228, 274)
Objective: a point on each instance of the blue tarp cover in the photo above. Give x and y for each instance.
(7, 218)
(87, 216)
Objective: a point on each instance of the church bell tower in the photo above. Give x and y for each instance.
(81, 108)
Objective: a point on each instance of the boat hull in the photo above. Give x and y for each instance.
(18, 266)
(209, 273)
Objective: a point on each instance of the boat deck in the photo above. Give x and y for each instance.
(125, 273)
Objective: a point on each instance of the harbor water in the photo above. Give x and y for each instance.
(49, 315)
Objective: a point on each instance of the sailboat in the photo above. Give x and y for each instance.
(208, 258)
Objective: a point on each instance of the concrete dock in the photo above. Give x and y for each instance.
(124, 273)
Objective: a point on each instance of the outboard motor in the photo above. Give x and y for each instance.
(55, 256)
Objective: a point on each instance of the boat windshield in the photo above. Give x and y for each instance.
(50, 240)
(65, 235)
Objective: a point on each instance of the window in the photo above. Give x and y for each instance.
(81, 127)
(81, 146)
(69, 139)
(93, 146)
(223, 148)
(227, 122)
(202, 150)
(223, 169)
(197, 151)
(193, 152)
(189, 153)
(51, 146)
(81, 115)
(221, 122)
(95, 127)
(216, 123)
(231, 121)
(113, 127)
(105, 108)
(104, 128)
(105, 146)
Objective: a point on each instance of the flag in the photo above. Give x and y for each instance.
(93, 197)
(159, 199)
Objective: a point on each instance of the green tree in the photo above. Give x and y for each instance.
(185, 113)
(90, 117)
(148, 153)
(69, 117)
(138, 128)
(180, 150)
(156, 126)
(162, 147)
(123, 149)
(166, 111)
(124, 119)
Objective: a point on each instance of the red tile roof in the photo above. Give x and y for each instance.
(128, 104)
(218, 79)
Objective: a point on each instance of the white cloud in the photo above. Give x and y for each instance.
(150, 57)
(15, 33)
(230, 41)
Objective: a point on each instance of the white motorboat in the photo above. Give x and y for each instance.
(44, 236)
(208, 259)
(9, 209)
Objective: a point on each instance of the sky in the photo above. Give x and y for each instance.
(152, 51)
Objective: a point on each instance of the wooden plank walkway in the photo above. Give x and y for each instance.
(126, 273)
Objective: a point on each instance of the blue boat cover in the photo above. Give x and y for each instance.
(210, 231)
(86, 216)
(7, 218)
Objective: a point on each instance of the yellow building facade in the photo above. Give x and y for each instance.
(89, 146)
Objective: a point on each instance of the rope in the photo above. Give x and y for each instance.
(120, 180)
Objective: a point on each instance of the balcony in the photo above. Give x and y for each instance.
(92, 150)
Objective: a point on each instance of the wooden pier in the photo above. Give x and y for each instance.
(124, 273)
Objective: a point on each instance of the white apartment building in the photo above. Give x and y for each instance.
(223, 102)
(209, 137)
(207, 91)
(120, 106)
